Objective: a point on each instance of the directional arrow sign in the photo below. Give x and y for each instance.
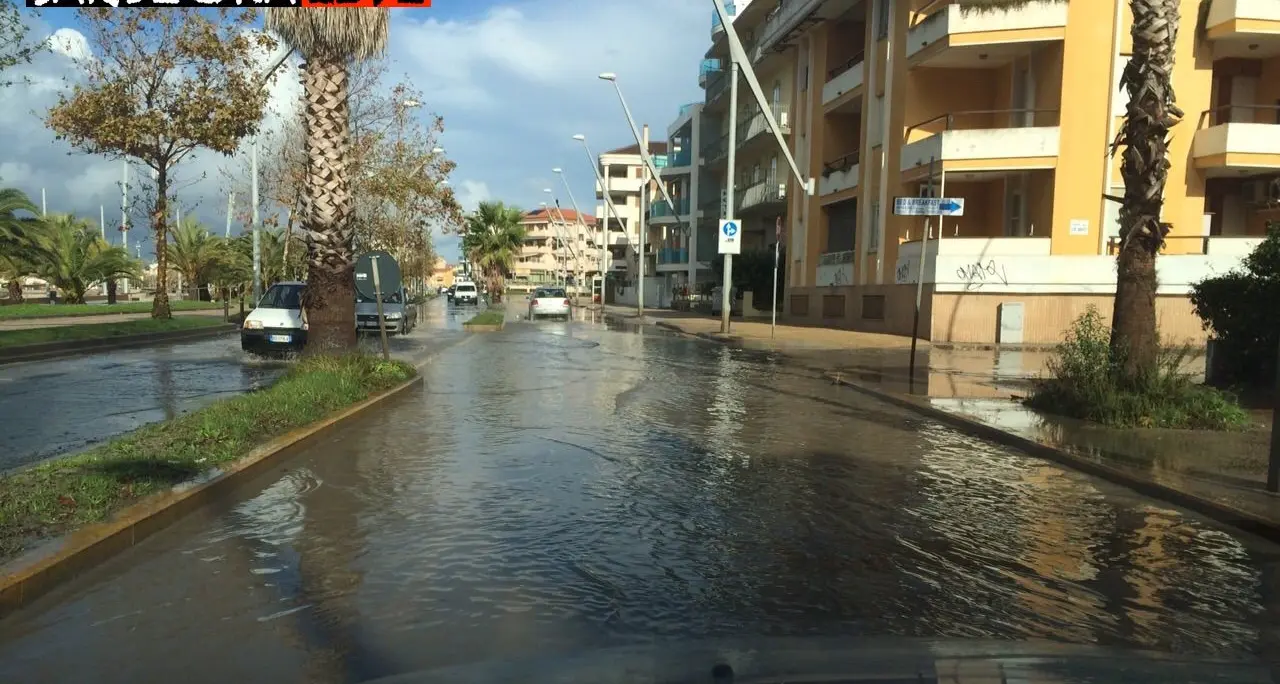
(730, 240)
(928, 206)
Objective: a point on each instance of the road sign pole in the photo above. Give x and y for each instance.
(382, 323)
(915, 323)
(777, 245)
(726, 296)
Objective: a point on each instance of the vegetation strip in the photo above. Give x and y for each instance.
(486, 317)
(32, 310)
(99, 331)
(59, 496)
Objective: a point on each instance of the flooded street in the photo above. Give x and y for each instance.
(574, 486)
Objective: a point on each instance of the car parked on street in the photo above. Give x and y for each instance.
(549, 301)
(399, 314)
(275, 326)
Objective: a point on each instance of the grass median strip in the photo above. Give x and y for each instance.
(33, 310)
(56, 497)
(486, 317)
(96, 331)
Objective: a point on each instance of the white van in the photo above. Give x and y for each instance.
(465, 293)
(275, 325)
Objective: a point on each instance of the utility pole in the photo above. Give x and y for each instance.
(124, 219)
(44, 208)
(643, 224)
(257, 245)
(231, 205)
(102, 220)
(915, 322)
(726, 290)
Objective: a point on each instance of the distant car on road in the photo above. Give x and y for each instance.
(399, 313)
(465, 293)
(549, 301)
(275, 326)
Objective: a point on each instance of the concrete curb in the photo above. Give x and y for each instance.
(480, 328)
(41, 570)
(50, 350)
(1216, 510)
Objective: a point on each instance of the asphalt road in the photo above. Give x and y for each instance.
(564, 487)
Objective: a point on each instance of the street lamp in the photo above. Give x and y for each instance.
(582, 223)
(559, 229)
(608, 200)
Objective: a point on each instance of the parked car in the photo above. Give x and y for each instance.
(465, 293)
(549, 301)
(275, 325)
(400, 316)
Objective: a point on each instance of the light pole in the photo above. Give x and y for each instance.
(652, 171)
(560, 235)
(581, 271)
(604, 233)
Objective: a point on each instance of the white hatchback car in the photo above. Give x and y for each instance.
(549, 301)
(276, 325)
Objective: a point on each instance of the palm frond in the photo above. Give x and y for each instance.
(335, 33)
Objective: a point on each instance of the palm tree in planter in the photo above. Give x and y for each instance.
(72, 255)
(492, 242)
(329, 39)
(1149, 116)
(17, 234)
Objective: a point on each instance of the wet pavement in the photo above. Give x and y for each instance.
(571, 486)
(60, 406)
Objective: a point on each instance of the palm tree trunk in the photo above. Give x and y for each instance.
(160, 229)
(1152, 113)
(15, 290)
(326, 218)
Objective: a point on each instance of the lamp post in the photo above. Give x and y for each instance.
(604, 233)
(582, 273)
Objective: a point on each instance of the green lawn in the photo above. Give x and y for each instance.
(93, 331)
(56, 497)
(487, 317)
(8, 313)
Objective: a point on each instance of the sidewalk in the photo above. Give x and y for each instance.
(1219, 474)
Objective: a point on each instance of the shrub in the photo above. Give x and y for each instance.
(1239, 310)
(1084, 383)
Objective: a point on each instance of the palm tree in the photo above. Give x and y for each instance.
(492, 242)
(1150, 115)
(16, 239)
(71, 255)
(329, 40)
(195, 253)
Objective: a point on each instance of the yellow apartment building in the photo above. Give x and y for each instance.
(1011, 111)
(556, 246)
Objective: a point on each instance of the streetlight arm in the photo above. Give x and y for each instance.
(739, 55)
(644, 153)
(604, 191)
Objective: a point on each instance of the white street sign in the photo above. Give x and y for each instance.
(730, 237)
(928, 206)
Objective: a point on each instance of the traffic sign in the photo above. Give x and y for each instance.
(388, 274)
(730, 237)
(928, 206)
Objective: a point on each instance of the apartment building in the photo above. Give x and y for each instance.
(557, 249)
(626, 180)
(1005, 109)
(685, 234)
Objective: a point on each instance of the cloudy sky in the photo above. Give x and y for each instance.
(513, 79)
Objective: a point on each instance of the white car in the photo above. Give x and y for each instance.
(465, 293)
(275, 325)
(549, 301)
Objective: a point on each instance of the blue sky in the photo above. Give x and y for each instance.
(514, 80)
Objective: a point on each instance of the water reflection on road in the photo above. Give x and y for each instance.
(572, 485)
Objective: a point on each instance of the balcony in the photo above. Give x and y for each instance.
(1021, 139)
(757, 125)
(835, 269)
(660, 211)
(763, 194)
(673, 256)
(943, 35)
(712, 203)
(1238, 140)
(1248, 29)
(717, 86)
(680, 160)
(844, 78)
(620, 184)
(792, 18)
(716, 150)
(839, 175)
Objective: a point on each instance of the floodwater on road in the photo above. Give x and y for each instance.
(571, 486)
(63, 405)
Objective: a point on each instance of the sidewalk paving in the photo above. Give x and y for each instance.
(1221, 474)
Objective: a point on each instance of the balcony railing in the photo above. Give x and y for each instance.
(661, 209)
(785, 19)
(673, 255)
(846, 65)
(764, 191)
(1259, 114)
(1237, 136)
(757, 124)
(717, 84)
(716, 149)
(682, 158)
(983, 119)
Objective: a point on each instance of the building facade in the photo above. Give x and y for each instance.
(631, 189)
(685, 234)
(558, 249)
(1006, 110)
